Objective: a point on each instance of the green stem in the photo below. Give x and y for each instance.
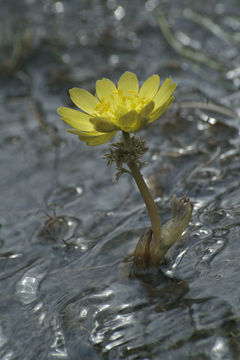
(147, 197)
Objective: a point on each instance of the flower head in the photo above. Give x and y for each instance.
(125, 107)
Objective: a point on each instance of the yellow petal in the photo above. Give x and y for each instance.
(104, 88)
(164, 93)
(147, 109)
(150, 87)
(84, 133)
(103, 124)
(97, 140)
(75, 118)
(156, 114)
(128, 122)
(144, 115)
(83, 99)
(128, 81)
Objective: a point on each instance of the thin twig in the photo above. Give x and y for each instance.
(208, 106)
(182, 49)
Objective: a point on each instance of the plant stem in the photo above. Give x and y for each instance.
(147, 197)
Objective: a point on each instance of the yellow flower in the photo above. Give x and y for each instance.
(124, 107)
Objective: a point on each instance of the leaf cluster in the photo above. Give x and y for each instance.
(120, 154)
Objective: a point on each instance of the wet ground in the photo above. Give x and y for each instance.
(66, 226)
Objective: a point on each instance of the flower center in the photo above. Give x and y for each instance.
(117, 104)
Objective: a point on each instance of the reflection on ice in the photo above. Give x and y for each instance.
(27, 287)
(220, 349)
(58, 346)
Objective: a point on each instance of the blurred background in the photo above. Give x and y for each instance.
(66, 227)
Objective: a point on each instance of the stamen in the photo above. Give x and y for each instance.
(120, 104)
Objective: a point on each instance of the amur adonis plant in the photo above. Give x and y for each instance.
(127, 108)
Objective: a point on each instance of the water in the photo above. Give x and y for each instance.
(67, 228)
